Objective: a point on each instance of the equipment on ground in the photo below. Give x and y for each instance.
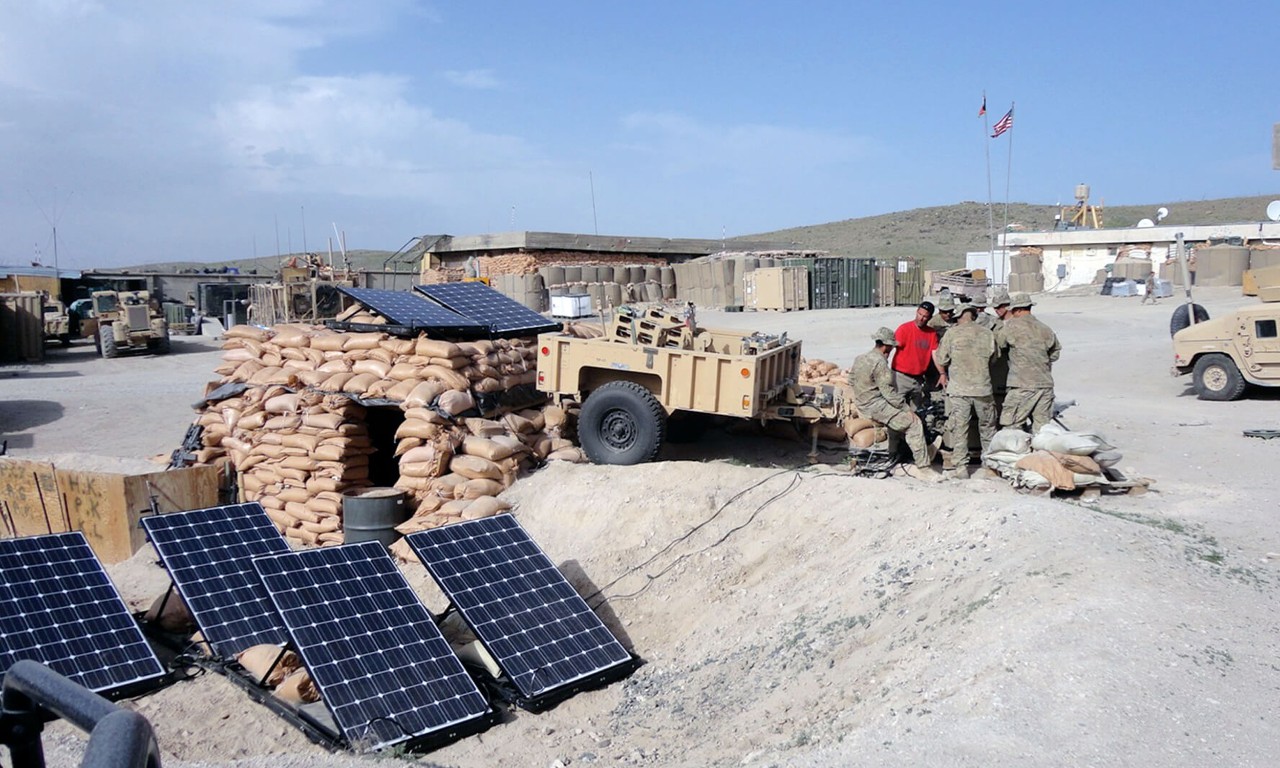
(651, 364)
(128, 321)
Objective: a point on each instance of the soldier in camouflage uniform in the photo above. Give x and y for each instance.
(1032, 348)
(984, 318)
(876, 399)
(965, 357)
(946, 316)
(999, 301)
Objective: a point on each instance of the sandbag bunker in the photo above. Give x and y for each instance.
(307, 417)
(332, 639)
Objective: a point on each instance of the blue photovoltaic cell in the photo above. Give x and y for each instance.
(479, 302)
(528, 616)
(58, 607)
(411, 309)
(209, 554)
(379, 661)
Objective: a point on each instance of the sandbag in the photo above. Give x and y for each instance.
(417, 428)
(297, 688)
(451, 378)
(376, 367)
(475, 467)
(424, 393)
(358, 341)
(553, 416)
(1108, 459)
(485, 506)
(486, 448)
(455, 402)
(435, 348)
(170, 613)
(1011, 439)
(1079, 464)
(474, 489)
(869, 436)
(258, 660)
(573, 455)
(359, 383)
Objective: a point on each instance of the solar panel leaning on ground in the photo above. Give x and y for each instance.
(58, 607)
(477, 301)
(414, 312)
(522, 609)
(380, 663)
(209, 554)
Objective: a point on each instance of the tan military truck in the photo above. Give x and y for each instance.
(1226, 354)
(650, 365)
(57, 323)
(128, 321)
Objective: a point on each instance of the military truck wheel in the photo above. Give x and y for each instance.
(1181, 317)
(107, 342)
(1216, 378)
(64, 339)
(161, 345)
(621, 423)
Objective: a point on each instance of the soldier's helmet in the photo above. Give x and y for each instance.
(999, 297)
(971, 308)
(886, 337)
(1020, 301)
(946, 303)
(979, 301)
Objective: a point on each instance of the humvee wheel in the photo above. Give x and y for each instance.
(1216, 378)
(107, 342)
(1182, 317)
(621, 423)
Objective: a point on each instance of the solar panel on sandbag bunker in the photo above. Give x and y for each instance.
(382, 667)
(59, 608)
(477, 301)
(527, 615)
(209, 554)
(413, 311)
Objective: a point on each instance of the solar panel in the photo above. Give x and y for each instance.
(209, 554)
(527, 615)
(379, 661)
(504, 316)
(58, 607)
(412, 310)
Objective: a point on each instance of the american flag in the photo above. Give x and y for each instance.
(1004, 124)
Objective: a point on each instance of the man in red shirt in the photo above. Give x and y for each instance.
(913, 370)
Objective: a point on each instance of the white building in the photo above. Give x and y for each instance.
(1073, 257)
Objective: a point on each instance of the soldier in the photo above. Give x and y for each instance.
(1032, 348)
(965, 356)
(984, 318)
(946, 316)
(876, 399)
(1000, 303)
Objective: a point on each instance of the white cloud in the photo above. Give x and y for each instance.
(479, 79)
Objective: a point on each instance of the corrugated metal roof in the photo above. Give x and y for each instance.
(65, 274)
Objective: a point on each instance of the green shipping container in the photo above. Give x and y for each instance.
(910, 283)
(838, 283)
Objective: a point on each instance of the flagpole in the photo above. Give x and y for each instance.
(986, 143)
(1004, 252)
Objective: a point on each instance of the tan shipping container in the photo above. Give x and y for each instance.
(777, 288)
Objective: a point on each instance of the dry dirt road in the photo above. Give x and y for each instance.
(790, 616)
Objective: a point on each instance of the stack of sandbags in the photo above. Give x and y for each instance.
(298, 438)
(1053, 459)
(860, 432)
(281, 671)
(822, 372)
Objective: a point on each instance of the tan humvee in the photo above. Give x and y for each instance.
(648, 366)
(1227, 353)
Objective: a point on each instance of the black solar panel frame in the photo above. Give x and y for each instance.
(66, 562)
(245, 532)
(482, 303)
(426, 316)
(493, 630)
(286, 576)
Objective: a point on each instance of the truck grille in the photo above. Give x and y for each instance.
(137, 317)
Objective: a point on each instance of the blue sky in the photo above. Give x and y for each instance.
(152, 130)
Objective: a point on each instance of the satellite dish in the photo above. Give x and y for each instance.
(1146, 223)
(1161, 212)
(1273, 210)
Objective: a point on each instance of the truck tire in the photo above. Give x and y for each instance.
(107, 342)
(621, 423)
(161, 345)
(1216, 378)
(1181, 317)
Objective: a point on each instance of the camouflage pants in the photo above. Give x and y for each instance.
(1023, 404)
(961, 410)
(905, 423)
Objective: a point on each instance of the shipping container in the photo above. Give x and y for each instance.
(886, 284)
(21, 327)
(909, 286)
(777, 288)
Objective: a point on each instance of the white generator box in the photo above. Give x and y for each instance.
(572, 305)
